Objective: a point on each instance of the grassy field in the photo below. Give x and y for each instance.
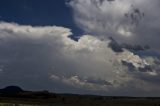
(73, 101)
(15, 96)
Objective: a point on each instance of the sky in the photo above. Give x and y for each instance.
(99, 47)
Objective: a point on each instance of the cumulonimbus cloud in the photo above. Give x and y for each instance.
(45, 57)
(129, 21)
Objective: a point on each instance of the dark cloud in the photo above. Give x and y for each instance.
(135, 48)
(75, 38)
(145, 69)
(117, 47)
(135, 15)
(130, 66)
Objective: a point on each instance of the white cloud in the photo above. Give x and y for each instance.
(129, 21)
(45, 57)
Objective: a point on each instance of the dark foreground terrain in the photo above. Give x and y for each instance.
(15, 96)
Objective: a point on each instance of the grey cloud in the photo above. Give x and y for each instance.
(150, 72)
(135, 15)
(128, 21)
(46, 58)
(145, 69)
(83, 83)
(135, 48)
(99, 81)
(131, 67)
(117, 47)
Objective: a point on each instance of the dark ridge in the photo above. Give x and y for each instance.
(11, 89)
(45, 98)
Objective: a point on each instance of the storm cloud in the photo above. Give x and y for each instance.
(44, 57)
(133, 22)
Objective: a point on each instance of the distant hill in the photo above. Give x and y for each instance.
(11, 89)
(17, 92)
